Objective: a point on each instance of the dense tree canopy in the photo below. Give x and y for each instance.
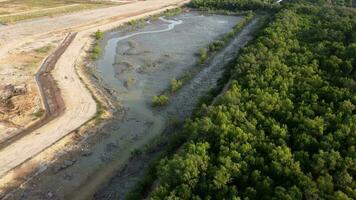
(286, 129)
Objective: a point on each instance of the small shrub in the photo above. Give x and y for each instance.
(39, 113)
(217, 45)
(172, 12)
(96, 52)
(44, 49)
(135, 22)
(99, 35)
(176, 85)
(160, 100)
(132, 22)
(186, 77)
(136, 153)
(204, 53)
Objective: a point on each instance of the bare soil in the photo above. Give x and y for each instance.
(17, 69)
(14, 39)
(16, 10)
(52, 99)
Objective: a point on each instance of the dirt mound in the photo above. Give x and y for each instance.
(6, 94)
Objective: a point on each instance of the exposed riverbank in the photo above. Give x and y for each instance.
(150, 59)
(180, 107)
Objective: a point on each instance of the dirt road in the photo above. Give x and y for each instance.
(80, 107)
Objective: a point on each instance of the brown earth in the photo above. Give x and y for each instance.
(52, 100)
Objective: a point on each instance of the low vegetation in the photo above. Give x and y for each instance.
(136, 153)
(160, 100)
(203, 55)
(218, 44)
(96, 50)
(44, 49)
(173, 12)
(176, 85)
(39, 113)
(99, 35)
(135, 22)
(100, 110)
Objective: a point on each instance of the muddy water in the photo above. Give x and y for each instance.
(135, 66)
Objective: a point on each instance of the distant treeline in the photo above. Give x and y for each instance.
(350, 3)
(233, 4)
(286, 129)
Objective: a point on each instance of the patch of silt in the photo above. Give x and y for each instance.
(138, 65)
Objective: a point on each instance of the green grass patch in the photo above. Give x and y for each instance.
(96, 52)
(44, 49)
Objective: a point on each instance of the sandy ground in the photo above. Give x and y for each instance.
(18, 69)
(19, 62)
(80, 107)
(37, 10)
(13, 37)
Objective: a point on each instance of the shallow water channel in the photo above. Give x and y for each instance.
(136, 65)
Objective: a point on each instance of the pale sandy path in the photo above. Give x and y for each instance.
(80, 107)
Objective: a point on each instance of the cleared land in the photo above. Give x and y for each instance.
(20, 102)
(27, 35)
(23, 46)
(15, 10)
(80, 107)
